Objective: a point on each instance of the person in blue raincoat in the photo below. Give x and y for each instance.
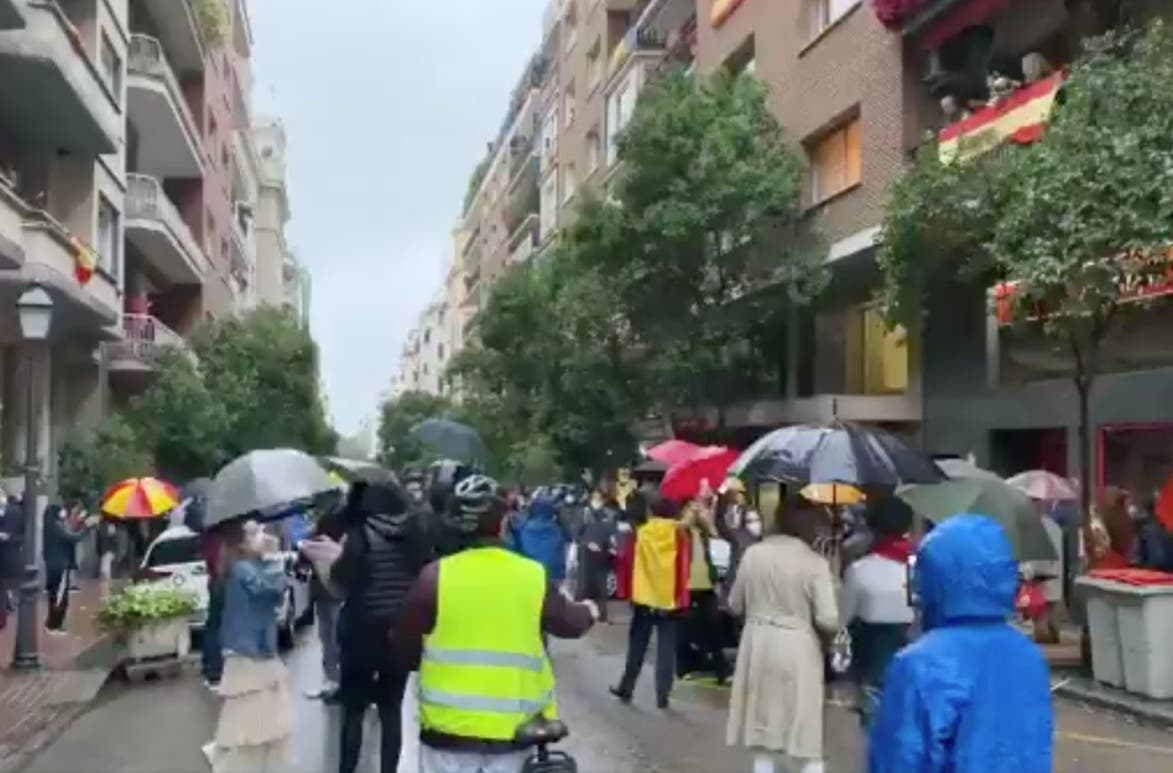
(972, 695)
(538, 535)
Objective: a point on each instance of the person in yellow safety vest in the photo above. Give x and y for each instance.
(473, 625)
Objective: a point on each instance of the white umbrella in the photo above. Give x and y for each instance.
(1044, 486)
(268, 484)
(965, 469)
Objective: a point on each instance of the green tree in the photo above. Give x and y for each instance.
(92, 459)
(1076, 222)
(181, 422)
(708, 212)
(397, 416)
(263, 369)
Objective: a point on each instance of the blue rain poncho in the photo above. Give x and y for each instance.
(972, 695)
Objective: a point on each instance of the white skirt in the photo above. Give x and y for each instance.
(256, 718)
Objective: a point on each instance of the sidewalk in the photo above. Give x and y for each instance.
(1077, 687)
(34, 707)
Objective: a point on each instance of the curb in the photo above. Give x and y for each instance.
(1157, 716)
(102, 654)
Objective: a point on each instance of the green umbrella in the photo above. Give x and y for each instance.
(995, 498)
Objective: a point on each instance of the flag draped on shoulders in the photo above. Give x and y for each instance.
(660, 565)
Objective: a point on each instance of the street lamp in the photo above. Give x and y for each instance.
(35, 309)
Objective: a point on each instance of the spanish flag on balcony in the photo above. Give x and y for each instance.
(1019, 119)
(85, 260)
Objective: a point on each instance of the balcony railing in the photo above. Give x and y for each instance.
(146, 200)
(147, 58)
(143, 338)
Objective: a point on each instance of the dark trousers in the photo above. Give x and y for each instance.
(370, 675)
(700, 644)
(57, 583)
(212, 656)
(639, 636)
(595, 568)
(3, 601)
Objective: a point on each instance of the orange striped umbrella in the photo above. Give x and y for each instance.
(139, 498)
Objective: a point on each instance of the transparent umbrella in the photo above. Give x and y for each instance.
(266, 484)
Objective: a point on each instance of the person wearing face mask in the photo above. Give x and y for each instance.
(740, 524)
(596, 540)
(256, 717)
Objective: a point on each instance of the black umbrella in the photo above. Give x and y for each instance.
(450, 439)
(835, 453)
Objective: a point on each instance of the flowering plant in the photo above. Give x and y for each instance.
(893, 12)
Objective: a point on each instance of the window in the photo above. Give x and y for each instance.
(224, 160)
(440, 352)
(568, 104)
(549, 138)
(109, 240)
(569, 182)
(594, 66)
(824, 13)
(111, 67)
(877, 355)
(211, 127)
(836, 161)
(593, 150)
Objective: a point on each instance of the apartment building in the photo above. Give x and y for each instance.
(128, 183)
(63, 98)
(297, 288)
(427, 352)
(272, 212)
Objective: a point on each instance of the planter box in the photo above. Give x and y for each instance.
(1131, 626)
(164, 639)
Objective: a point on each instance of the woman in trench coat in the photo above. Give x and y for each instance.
(786, 594)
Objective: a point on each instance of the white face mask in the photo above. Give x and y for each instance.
(753, 524)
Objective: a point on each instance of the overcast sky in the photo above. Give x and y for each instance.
(388, 105)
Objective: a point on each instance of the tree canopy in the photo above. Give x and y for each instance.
(646, 300)
(253, 383)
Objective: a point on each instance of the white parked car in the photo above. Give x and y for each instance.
(176, 559)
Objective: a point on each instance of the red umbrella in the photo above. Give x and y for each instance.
(712, 463)
(674, 452)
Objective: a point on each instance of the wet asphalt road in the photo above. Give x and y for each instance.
(159, 727)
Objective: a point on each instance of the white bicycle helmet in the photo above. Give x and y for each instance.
(474, 496)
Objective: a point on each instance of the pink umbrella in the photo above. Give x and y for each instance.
(683, 480)
(1044, 486)
(673, 452)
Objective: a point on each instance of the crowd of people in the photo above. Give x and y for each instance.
(447, 575)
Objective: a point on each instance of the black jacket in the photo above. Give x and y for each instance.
(382, 556)
(11, 523)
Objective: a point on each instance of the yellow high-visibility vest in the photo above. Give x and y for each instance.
(484, 670)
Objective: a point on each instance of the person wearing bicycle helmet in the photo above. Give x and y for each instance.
(472, 625)
(440, 484)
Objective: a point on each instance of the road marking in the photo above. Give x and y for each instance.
(1103, 741)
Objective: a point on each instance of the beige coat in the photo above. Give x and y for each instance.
(786, 593)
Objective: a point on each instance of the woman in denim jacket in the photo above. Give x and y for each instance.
(256, 718)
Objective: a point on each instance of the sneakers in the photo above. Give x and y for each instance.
(56, 632)
(624, 697)
(213, 687)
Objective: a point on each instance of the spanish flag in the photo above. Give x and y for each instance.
(660, 565)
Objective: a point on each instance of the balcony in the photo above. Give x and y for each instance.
(143, 338)
(168, 136)
(177, 26)
(636, 43)
(53, 95)
(155, 227)
(12, 209)
(242, 31)
(523, 242)
(10, 16)
(522, 196)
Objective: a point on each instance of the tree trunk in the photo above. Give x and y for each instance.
(1083, 386)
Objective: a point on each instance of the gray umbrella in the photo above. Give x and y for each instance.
(450, 439)
(359, 469)
(268, 484)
